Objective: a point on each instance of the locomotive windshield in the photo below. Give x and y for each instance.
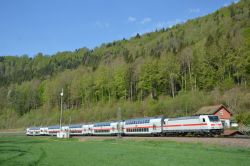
(213, 118)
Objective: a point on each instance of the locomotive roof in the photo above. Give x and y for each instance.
(183, 118)
(146, 118)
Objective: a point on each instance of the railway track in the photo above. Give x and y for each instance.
(217, 141)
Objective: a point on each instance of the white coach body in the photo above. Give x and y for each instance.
(143, 126)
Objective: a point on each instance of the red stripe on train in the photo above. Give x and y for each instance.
(180, 125)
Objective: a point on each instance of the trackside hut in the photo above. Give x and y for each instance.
(220, 110)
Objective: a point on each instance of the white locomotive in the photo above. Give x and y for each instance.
(207, 125)
(197, 125)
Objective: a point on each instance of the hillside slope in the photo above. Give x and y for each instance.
(171, 71)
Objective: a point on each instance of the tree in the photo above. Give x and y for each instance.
(149, 77)
(171, 69)
(186, 62)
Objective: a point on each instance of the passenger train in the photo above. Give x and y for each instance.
(204, 125)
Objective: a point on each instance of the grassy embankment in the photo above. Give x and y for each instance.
(22, 150)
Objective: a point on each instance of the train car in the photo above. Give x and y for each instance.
(33, 131)
(53, 130)
(144, 126)
(102, 128)
(195, 125)
(76, 129)
(44, 131)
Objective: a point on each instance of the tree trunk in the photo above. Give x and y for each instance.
(190, 76)
(172, 86)
(131, 91)
(195, 83)
(109, 95)
(185, 81)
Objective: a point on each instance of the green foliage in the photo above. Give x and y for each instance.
(202, 56)
(243, 118)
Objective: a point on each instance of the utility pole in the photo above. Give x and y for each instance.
(61, 94)
(119, 122)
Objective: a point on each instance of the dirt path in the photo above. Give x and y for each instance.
(232, 142)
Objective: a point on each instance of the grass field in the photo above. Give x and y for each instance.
(21, 150)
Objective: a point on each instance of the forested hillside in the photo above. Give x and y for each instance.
(172, 71)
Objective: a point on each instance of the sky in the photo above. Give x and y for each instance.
(28, 27)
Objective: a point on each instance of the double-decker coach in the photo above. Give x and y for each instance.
(144, 126)
(108, 128)
(76, 129)
(53, 130)
(102, 128)
(33, 131)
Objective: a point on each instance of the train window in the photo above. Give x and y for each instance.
(203, 119)
(213, 118)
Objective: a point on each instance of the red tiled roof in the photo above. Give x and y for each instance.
(211, 109)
